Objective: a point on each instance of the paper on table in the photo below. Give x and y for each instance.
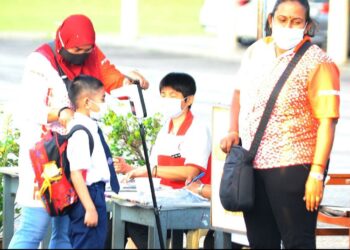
(166, 198)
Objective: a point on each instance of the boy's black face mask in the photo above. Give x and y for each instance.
(76, 59)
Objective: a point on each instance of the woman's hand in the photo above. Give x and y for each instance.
(137, 76)
(120, 165)
(65, 117)
(230, 139)
(313, 193)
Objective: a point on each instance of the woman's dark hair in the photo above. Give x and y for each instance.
(80, 84)
(312, 24)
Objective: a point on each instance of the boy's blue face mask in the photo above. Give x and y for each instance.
(76, 59)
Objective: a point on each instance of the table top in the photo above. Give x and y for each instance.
(167, 199)
(12, 171)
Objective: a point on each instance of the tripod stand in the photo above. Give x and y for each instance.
(145, 150)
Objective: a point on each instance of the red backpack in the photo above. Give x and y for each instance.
(52, 173)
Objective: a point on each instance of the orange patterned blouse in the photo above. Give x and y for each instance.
(310, 93)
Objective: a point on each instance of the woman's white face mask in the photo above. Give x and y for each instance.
(170, 107)
(287, 38)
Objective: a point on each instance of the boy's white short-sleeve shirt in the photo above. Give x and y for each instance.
(194, 145)
(78, 151)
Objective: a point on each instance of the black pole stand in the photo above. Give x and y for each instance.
(149, 172)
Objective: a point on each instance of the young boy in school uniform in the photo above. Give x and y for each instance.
(89, 173)
(182, 149)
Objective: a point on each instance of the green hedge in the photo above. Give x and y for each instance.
(9, 148)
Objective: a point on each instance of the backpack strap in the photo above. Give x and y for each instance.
(81, 127)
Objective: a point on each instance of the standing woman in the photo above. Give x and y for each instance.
(292, 157)
(47, 107)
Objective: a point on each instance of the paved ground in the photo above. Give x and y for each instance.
(212, 66)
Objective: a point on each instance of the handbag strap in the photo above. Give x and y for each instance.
(272, 100)
(61, 73)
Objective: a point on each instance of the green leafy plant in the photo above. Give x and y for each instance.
(9, 148)
(124, 137)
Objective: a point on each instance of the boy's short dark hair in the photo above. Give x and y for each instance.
(82, 83)
(181, 82)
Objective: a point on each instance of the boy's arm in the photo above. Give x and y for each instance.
(174, 173)
(178, 173)
(91, 216)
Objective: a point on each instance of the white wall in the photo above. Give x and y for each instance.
(338, 30)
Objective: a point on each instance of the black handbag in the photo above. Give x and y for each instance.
(237, 182)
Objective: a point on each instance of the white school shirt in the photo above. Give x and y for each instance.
(31, 113)
(192, 144)
(78, 151)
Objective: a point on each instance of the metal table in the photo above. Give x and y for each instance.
(171, 218)
(174, 218)
(10, 184)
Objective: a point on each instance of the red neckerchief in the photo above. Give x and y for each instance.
(186, 124)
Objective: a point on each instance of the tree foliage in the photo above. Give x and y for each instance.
(9, 148)
(124, 137)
